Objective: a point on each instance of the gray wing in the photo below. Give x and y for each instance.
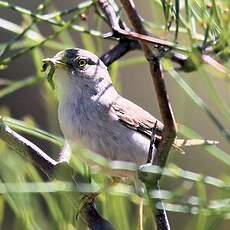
(136, 118)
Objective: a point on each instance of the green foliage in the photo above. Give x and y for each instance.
(28, 202)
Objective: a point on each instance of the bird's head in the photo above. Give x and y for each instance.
(77, 68)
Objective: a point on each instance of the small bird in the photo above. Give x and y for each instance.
(91, 112)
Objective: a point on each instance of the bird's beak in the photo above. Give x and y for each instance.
(49, 61)
(54, 62)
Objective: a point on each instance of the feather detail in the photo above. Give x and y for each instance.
(136, 118)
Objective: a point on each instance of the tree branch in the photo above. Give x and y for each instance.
(119, 50)
(157, 74)
(53, 170)
(125, 45)
(27, 149)
(169, 131)
(110, 14)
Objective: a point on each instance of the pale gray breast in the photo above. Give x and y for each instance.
(101, 132)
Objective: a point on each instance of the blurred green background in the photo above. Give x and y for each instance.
(25, 96)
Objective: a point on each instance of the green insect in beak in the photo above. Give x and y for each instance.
(50, 73)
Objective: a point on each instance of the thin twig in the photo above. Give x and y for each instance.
(152, 145)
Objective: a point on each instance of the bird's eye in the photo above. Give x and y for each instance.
(81, 62)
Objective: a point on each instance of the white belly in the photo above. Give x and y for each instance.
(109, 137)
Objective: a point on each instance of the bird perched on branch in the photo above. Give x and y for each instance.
(91, 112)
